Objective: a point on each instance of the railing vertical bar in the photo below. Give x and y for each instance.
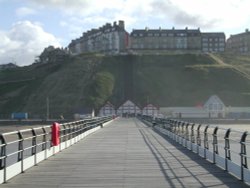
(20, 155)
(215, 144)
(227, 148)
(243, 154)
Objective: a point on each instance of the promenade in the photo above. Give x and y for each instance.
(125, 153)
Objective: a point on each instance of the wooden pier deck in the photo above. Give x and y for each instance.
(126, 153)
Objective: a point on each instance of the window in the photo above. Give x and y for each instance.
(150, 34)
(221, 44)
(135, 46)
(205, 44)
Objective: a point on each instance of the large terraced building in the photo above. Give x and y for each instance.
(108, 39)
(239, 43)
(114, 39)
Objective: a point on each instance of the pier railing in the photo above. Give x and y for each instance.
(20, 150)
(227, 148)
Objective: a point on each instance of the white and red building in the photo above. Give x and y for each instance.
(128, 108)
(150, 110)
(107, 110)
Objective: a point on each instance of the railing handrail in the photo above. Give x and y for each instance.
(202, 135)
(41, 136)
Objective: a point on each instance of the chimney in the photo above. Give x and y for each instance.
(114, 24)
(186, 28)
(247, 30)
(173, 28)
(121, 24)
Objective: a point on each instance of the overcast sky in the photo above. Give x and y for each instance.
(28, 26)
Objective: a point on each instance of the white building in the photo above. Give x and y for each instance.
(150, 110)
(107, 110)
(215, 107)
(128, 108)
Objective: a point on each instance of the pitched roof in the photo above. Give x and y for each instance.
(145, 32)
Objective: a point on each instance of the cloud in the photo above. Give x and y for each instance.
(208, 14)
(181, 16)
(25, 11)
(24, 42)
(199, 13)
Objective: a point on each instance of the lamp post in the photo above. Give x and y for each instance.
(47, 108)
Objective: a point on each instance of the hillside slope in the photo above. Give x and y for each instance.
(176, 80)
(89, 81)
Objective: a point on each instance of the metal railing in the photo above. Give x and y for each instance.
(227, 148)
(17, 146)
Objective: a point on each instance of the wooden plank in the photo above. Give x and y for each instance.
(126, 153)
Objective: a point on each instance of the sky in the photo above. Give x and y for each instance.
(28, 26)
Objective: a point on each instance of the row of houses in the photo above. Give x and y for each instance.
(176, 40)
(214, 107)
(128, 108)
(239, 43)
(109, 39)
(114, 39)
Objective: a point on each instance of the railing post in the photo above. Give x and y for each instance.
(227, 148)
(175, 127)
(215, 144)
(206, 145)
(192, 136)
(44, 145)
(34, 145)
(243, 154)
(20, 149)
(183, 133)
(3, 164)
(179, 131)
(198, 138)
(186, 134)
(64, 132)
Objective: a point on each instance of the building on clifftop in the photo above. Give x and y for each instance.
(165, 39)
(239, 43)
(108, 39)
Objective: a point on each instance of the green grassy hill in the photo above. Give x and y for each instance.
(176, 80)
(91, 80)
